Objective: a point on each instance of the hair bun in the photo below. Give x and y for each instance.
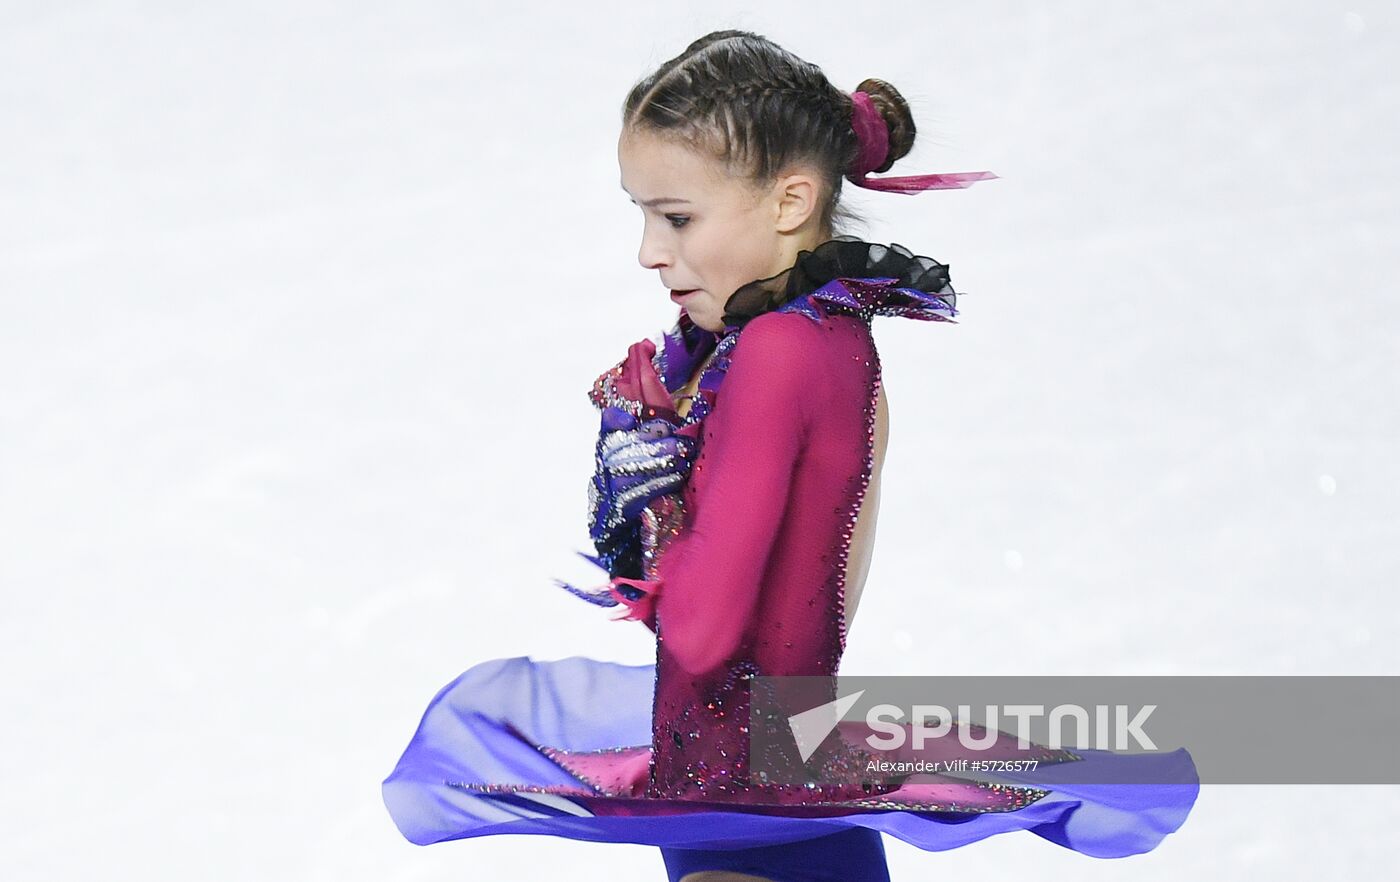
(898, 118)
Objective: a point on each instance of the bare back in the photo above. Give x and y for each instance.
(863, 536)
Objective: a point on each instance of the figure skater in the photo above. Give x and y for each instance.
(733, 509)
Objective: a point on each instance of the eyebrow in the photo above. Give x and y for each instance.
(661, 200)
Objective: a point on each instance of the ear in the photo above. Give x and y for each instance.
(796, 200)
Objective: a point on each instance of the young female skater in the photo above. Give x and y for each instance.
(733, 508)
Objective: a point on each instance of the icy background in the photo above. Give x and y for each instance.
(299, 304)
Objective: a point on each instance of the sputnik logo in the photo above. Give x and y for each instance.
(811, 727)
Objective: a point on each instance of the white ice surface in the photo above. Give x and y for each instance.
(299, 303)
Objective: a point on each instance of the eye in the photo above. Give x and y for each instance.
(673, 218)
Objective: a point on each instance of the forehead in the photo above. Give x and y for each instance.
(654, 167)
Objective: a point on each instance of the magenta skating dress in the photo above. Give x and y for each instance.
(742, 574)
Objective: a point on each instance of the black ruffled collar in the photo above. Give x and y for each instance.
(844, 274)
(842, 257)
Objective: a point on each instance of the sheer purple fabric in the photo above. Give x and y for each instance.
(486, 725)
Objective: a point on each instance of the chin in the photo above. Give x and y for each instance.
(707, 322)
(707, 314)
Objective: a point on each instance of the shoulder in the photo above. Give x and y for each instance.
(776, 338)
(812, 367)
(798, 340)
(799, 347)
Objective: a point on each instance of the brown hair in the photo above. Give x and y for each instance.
(757, 108)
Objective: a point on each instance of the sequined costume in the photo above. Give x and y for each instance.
(742, 574)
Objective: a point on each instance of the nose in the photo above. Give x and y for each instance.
(652, 254)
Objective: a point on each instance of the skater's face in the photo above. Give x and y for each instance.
(708, 231)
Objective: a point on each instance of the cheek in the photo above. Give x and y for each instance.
(706, 254)
(721, 260)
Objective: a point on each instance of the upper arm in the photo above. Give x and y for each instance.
(712, 572)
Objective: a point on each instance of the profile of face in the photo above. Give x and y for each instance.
(708, 232)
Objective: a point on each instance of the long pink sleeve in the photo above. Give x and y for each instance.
(711, 574)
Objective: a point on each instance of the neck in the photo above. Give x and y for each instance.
(791, 244)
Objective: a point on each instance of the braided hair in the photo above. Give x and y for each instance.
(758, 109)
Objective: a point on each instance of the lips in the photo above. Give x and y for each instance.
(678, 295)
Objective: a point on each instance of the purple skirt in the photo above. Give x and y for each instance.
(494, 725)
